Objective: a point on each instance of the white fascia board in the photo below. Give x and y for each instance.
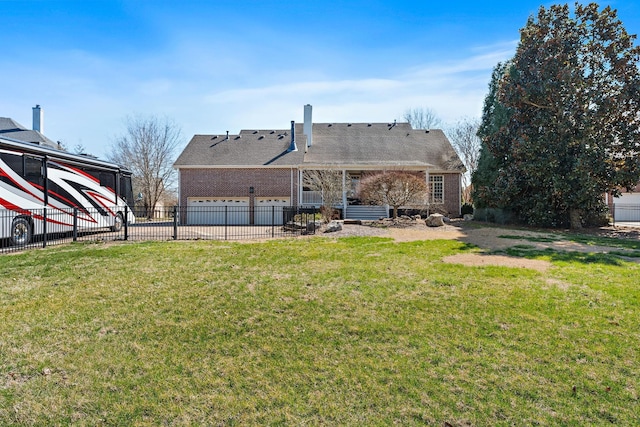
(365, 167)
(235, 167)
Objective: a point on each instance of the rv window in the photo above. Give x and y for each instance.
(108, 180)
(126, 191)
(14, 161)
(33, 171)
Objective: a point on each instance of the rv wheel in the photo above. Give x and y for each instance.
(118, 221)
(20, 231)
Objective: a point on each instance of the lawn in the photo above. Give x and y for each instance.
(353, 331)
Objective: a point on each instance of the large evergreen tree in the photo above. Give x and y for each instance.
(561, 124)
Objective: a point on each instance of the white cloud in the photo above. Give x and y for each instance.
(87, 97)
(453, 90)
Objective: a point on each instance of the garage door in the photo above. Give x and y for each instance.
(268, 210)
(627, 207)
(218, 211)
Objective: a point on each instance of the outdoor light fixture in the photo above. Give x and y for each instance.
(250, 190)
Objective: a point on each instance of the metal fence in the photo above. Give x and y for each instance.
(625, 214)
(38, 228)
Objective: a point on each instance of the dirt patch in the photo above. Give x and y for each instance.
(475, 260)
(488, 238)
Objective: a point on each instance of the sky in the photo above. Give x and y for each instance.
(216, 66)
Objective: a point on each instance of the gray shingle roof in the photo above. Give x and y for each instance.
(249, 148)
(381, 144)
(12, 129)
(334, 144)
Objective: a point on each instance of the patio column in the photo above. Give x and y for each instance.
(300, 171)
(344, 194)
(426, 177)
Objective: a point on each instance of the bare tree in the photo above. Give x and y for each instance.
(395, 189)
(329, 183)
(464, 138)
(422, 118)
(147, 148)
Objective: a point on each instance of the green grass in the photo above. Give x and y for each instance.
(579, 238)
(355, 331)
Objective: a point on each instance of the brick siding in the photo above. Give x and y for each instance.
(452, 201)
(274, 182)
(237, 182)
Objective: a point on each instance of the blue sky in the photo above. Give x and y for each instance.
(213, 66)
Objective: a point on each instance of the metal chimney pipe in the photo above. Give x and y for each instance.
(38, 119)
(293, 146)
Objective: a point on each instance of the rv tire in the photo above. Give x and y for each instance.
(118, 222)
(20, 231)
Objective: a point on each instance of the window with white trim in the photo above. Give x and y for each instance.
(436, 189)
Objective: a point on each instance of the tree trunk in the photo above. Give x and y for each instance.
(575, 219)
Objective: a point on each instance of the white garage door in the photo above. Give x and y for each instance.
(268, 210)
(218, 211)
(627, 207)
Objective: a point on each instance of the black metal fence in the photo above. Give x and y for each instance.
(38, 228)
(625, 214)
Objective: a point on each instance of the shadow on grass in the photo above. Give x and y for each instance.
(553, 255)
(580, 238)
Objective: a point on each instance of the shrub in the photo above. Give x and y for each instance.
(466, 209)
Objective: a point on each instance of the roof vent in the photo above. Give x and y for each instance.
(237, 137)
(215, 137)
(255, 132)
(348, 124)
(369, 124)
(227, 138)
(330, 124)
(426, 131)
(272, 132)
(261, 137)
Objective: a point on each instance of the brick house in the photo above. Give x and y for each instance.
(247, 173)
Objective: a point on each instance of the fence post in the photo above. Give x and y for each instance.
(75, 224)
(44, 227)
(273, 220)
(225, 221)
(126, 222)
(175, 223)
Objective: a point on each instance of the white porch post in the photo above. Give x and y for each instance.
(426, 177)
(344, 194)
(299, 187)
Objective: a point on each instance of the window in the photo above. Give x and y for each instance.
(33, 171)
(126, 191)
(436, 189)
(108, 179)
(14, 161)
